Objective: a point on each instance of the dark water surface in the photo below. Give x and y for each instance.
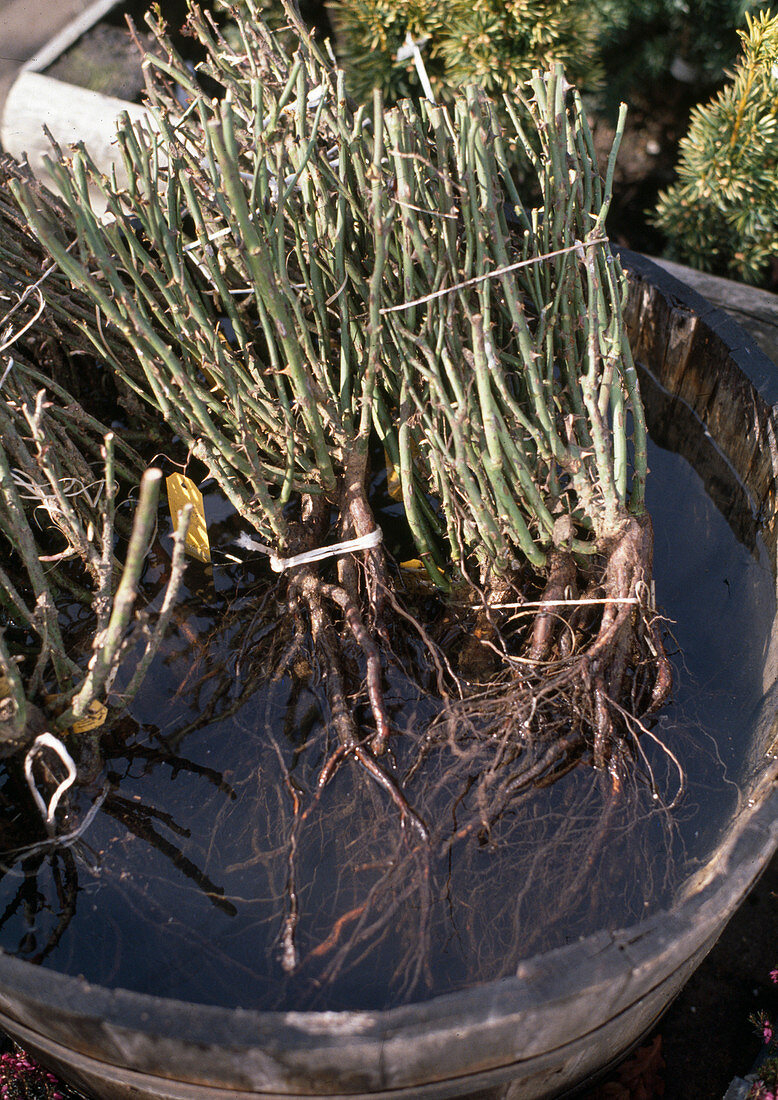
(185, 884)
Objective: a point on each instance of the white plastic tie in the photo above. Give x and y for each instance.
(410, 48)
(280, 565)
(48, 741)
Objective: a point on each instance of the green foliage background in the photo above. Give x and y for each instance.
(493, 43)
(612, 47)
(642, 40)
(722, 213)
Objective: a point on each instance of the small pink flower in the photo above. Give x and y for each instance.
(774, 976)
(17, 1068)
(767, 1035)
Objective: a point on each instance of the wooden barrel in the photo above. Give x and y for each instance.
(565, 1014)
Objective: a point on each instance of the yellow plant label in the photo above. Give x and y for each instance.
(180, 491)
(393, 484)
(96, 714)
(414, 565)
(393, 480)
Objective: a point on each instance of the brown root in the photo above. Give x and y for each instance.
(565, 701)
(454, 800)
(308, 590)
(480, 657)
(561, 585)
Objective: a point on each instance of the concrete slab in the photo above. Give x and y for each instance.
(30, 28)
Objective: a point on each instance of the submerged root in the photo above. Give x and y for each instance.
(479, 784)
(578, 677)
(577, 688)
(319, 598)
(577, 685)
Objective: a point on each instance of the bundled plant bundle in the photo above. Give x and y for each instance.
(60, 472)
(722, 213)
(516, 388)
(308, 287)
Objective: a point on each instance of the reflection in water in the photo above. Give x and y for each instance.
(220, 868)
